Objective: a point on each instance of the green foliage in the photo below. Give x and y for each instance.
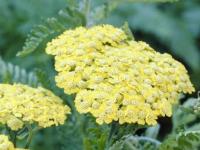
(96, 139)
(184, 114)
(51, 27)
(130, 142)
(18, 17)
(186, 129)
(10, 73)
(182, 141)
(44, 79)
(66, 137)
(127, 30)
(152, 132)
(103, 10)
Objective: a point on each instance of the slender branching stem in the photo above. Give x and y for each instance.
(113, 129)
(151, 140)
(30, 135)
(12, 135)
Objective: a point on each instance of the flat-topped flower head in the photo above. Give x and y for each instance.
(116, 79)
(83, 41)
(21, 104)
(5, 144)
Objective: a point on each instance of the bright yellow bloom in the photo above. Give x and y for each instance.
(20, 104)
(116, 79)
(5, 144)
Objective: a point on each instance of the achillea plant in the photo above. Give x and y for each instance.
(119, 85)
(21, 105)
(116, 79)
(5, 144)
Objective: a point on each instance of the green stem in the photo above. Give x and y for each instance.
(113, 129)
(87, 10)
(144, 138)
(30, 135)
(13, 138)
(12, 135)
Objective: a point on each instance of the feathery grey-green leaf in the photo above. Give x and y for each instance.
(10, 73)
(67, 18)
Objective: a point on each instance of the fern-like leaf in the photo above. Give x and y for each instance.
(51, 27)
(183, 141)
(10, 73)
(130, 142)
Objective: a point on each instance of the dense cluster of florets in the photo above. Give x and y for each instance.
(20, 104)
(5, 144)
(116, 79)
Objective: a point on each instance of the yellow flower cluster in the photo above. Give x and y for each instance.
(21, 104)
(117, 79)
(5, 144)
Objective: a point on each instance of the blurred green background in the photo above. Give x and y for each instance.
(168, 27)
